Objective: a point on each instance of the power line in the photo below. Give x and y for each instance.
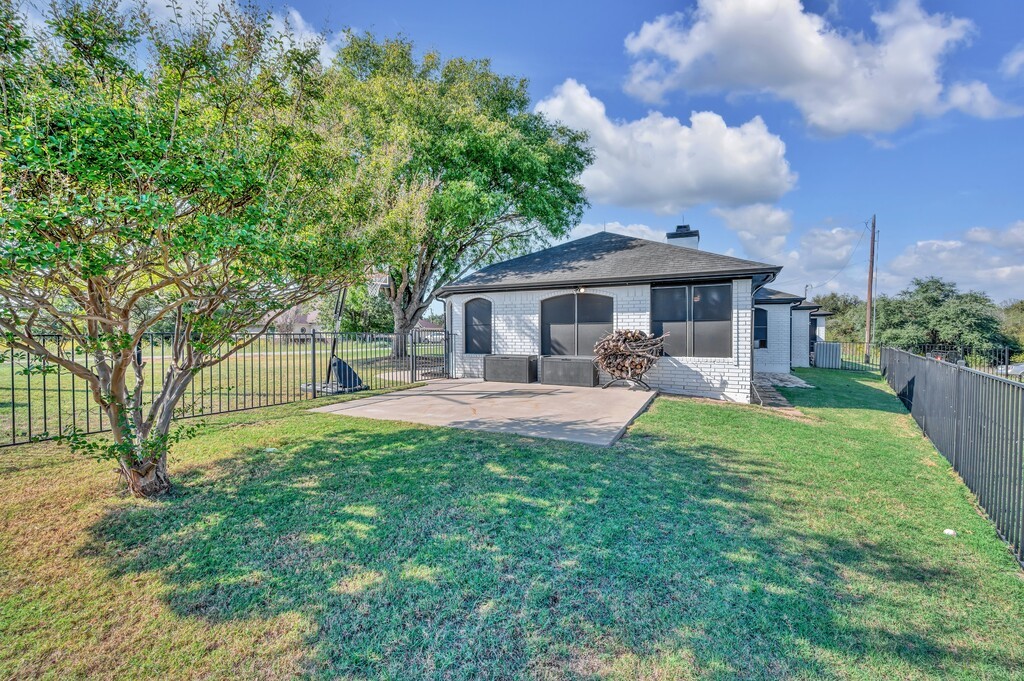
(849, 259)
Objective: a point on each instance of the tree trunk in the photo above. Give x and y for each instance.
(400, 341)
(147, 479)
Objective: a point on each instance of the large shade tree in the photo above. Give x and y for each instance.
(207, 185)
(933, 311)
(502, 178)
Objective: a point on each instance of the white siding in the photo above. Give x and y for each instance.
(776, 357)
(801, 338)
(516, 329)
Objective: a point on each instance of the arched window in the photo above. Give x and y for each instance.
(573, 323)
(760, 327)
(478, 326)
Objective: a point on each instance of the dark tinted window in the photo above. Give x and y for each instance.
(669, 315)
(573, 323)
(478, 326)
(760, 327)
(594, 321)
(712, 321)
(558, 325)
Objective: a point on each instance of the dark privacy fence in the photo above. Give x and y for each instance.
(40, 402)
(976, 421)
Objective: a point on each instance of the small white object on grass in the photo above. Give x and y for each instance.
(271, 450)
(948, 532)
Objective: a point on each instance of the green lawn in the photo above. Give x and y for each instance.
(714, 541)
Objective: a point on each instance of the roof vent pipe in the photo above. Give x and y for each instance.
(684, 236)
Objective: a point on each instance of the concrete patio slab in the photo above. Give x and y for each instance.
(588, 415)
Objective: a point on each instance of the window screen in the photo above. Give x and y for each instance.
(478, 326)
(594, 321)
(572, 324)
(670, 314)
(558, 325)
(760, 327)
(712, 321)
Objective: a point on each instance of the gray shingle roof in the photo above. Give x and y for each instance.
(606, 258)
(769, 296)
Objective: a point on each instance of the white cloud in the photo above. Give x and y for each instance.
(1013, 63)
(303, 33)
(761, 228)
(982, 258)
(841, 81)
(637, 230)
(660, 164)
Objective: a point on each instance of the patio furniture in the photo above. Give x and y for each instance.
(510, 368)
(568, 370)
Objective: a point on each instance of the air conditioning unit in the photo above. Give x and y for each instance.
(510, 368)
(578, 371)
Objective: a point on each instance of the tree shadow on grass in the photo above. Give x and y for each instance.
(433, 552)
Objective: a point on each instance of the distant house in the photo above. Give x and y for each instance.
(561, 300)
(785, 330)
(297, 320)
(427, 325)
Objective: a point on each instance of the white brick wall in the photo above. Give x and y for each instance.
(516, 331)
(821, 328)
(801, 352)
(776, 357)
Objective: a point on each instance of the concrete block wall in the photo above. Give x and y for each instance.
(515, 319)
(776, 357)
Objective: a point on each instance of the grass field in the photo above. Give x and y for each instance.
(714, 541)
(268, 372)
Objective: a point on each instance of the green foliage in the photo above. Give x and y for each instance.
(496, 178)
(202, 192)
(934, 311)
(363, 312)
(847, 321)
(1013, 321)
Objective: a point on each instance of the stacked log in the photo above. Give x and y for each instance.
(628, 354)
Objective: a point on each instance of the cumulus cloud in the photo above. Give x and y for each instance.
(1013, 63)
(761, 228)
(661, 164)
(841, 82)
(981, 258)
(637, 230)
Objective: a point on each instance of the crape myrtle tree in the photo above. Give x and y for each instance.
(206, 184)
(503, 179)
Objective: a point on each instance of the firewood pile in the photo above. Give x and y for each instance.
(628, 354)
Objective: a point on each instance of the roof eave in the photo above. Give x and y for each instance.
(453, 289)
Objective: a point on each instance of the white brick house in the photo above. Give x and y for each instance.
(559, 300)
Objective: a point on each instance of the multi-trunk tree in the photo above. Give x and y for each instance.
(207, 189)
(497, 178)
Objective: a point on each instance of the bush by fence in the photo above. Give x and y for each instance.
(976, 421)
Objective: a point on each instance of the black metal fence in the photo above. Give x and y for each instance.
(976, 421)
(44, 402)
(847, 356)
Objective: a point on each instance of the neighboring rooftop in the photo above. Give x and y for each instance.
(607, 258)
(769, 296)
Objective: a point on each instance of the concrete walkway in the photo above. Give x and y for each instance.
(588, 415)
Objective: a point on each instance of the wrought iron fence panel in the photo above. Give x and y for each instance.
(45, 401)
(976, 421)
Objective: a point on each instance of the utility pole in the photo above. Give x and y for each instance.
(868, 319)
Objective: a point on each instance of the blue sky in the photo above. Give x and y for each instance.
(777, 128)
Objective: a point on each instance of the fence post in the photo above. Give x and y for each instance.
(957, 426)
(312, 371)
(411, 340)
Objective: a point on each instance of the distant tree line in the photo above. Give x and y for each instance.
(931, 311)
